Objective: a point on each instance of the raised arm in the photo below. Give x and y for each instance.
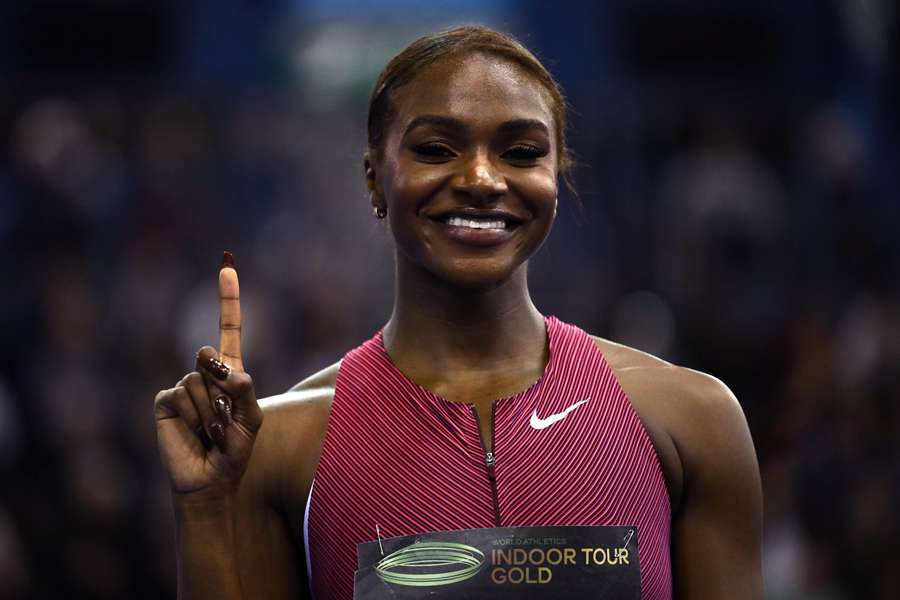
(716, 535)
(232, 540)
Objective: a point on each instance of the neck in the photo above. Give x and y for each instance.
(436, 325)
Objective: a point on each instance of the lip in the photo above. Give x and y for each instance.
(475, 237)
(477, 213)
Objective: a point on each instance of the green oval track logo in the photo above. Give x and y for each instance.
(426, 564)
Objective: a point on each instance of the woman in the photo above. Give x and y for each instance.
(470, 408)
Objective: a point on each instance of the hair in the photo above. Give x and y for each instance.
(460, 41)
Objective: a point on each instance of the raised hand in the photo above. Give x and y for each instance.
(207, 423)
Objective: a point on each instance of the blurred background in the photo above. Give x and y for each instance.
(740, 217)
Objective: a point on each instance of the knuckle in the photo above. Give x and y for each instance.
(162, 396)
(242, 382)
(193, 378)
(230, 358)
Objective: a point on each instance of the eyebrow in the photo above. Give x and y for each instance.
(513, 126)
(436, 120)
(517, 125)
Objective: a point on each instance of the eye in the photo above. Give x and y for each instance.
(432, 150)
(524, 152)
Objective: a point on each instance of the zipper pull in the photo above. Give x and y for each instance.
(489, 461)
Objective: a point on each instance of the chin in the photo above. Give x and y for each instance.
(476, 277)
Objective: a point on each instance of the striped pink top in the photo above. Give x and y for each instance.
(401, 457)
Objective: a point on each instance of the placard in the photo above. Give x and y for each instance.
(507, 562)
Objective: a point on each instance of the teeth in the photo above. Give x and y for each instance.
(476, 224)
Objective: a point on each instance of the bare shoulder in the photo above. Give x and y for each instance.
(303, 409)
(650, 377)
(707, 454)
(289, 442)
(690, 416)
(305, 405)
(322, 381)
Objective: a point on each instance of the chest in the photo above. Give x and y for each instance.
(582, 437)
(479, 390)
(397, 464)
(401, 458)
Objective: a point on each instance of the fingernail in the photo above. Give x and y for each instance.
(216, 367)
(227, 260)
(218, 434)
(223, 408)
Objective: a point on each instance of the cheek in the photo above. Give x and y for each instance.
(538, 189)
(409, 183)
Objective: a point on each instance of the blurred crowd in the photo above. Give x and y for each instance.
(734, 223)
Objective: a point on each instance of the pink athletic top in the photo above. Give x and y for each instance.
(569, 450)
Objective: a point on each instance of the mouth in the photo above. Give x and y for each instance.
(477, 228)
(471, 223)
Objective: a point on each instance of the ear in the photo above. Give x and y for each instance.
(375, 194)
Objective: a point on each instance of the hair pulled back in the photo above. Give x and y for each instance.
(456, 42)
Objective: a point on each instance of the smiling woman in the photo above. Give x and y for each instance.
(469, 409)
(470, 144)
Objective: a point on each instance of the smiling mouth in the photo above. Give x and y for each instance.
(475, 223)
(471, 218)
(471, 230)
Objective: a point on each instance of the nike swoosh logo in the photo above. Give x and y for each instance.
(539, 423)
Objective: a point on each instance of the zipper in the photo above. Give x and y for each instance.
(490, 463)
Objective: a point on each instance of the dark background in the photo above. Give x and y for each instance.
(740, 217)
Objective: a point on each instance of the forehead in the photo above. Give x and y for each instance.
(476, 89)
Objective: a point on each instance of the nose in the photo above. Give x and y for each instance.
(480, 179)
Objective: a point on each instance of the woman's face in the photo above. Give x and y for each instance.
(468, 171)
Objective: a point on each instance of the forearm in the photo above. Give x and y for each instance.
(206, 549)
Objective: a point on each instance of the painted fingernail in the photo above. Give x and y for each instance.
(223, 408)
(218, 434)
(216, 367)
(227, 260)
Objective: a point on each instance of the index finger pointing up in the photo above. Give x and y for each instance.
(229, 314)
